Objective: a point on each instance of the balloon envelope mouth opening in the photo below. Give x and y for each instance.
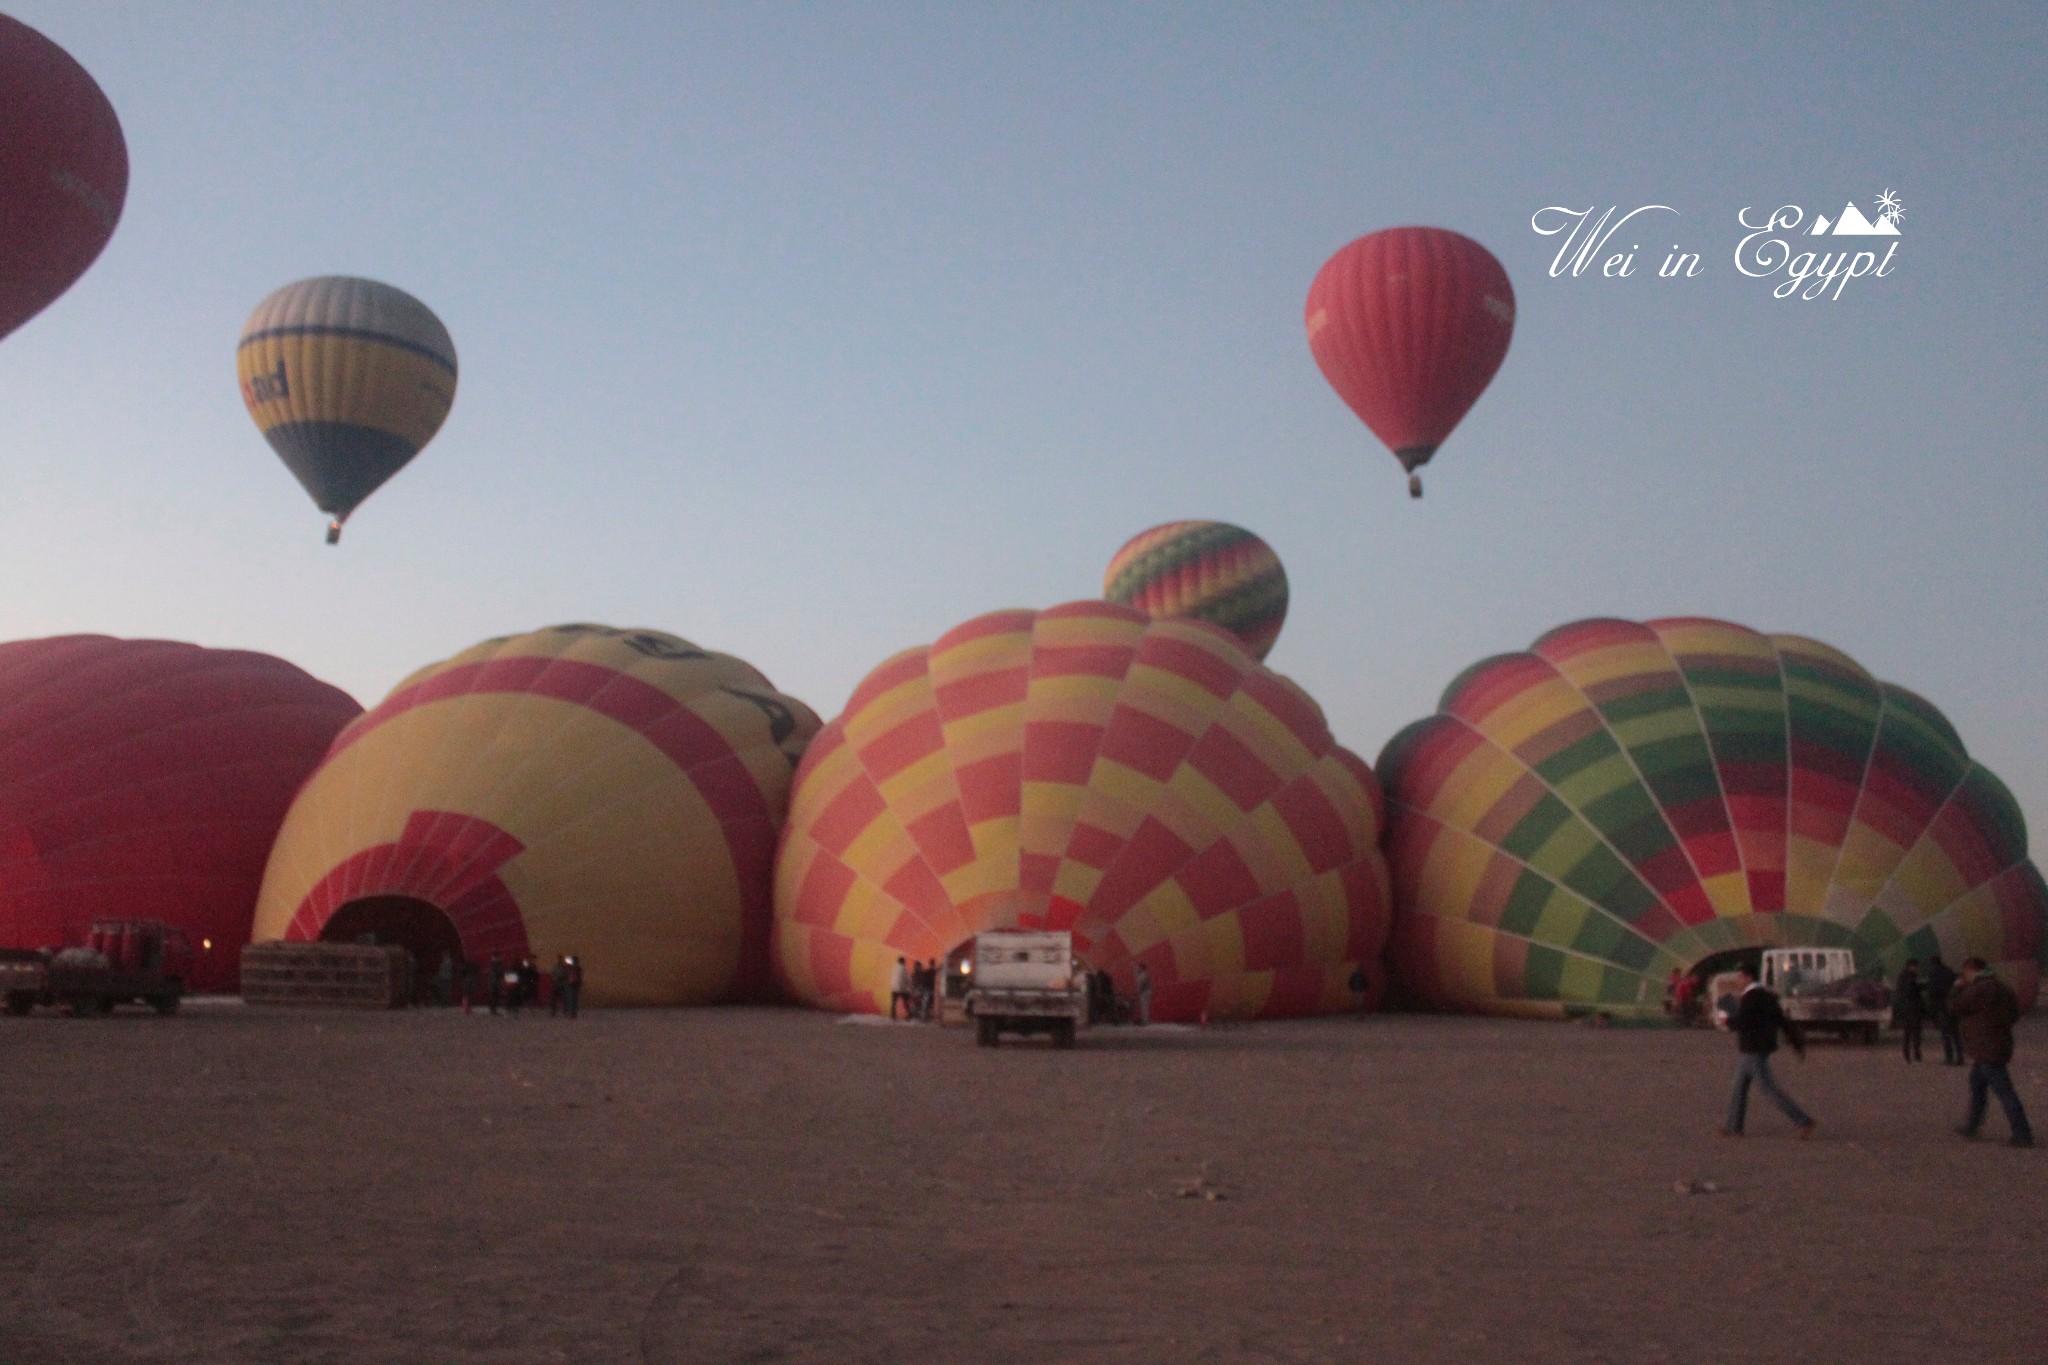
(419, 927)
(1413, 458)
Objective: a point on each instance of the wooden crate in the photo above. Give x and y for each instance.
(324, 975)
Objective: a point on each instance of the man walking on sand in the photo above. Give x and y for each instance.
(1759, 1019)
(1940, 983)
(1985, 1010)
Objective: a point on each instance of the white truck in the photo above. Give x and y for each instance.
(1026, 981)
(1820, 992)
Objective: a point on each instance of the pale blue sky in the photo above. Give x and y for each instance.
(808, 332)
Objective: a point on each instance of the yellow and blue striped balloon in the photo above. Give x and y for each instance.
(347, 379)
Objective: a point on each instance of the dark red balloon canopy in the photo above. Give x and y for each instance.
(1409, 326)
(144, 779)
(63, 172)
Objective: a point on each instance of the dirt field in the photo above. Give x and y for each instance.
(761, 1185)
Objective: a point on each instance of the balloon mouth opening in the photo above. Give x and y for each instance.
(420, 927)
(1413, 458)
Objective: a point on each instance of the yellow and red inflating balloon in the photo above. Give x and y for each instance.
(1203, 571)
(1145, 784)
(1623, 800)
(611, 794)
(1409, 326)
(347, 379)
(63, 172)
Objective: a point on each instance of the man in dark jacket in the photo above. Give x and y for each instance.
(1757, 1022)
(1941, 982)
(1985, 1010)
(1909, 1009)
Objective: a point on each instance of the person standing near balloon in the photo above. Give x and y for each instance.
(1984, 1010)
(1758, 1021)
(1941, 983)
(899, 990)
(1909, 1009)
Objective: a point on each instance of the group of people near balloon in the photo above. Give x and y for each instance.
(1982, 1011)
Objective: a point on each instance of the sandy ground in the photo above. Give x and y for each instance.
(768, 1185)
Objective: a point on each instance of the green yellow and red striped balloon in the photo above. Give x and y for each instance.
(1145, 784)
(1624, 799)
(1203, 571)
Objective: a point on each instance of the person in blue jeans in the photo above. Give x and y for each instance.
(1985, 1010)
(1757, 1022)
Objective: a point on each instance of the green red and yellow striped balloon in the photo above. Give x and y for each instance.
(1625, 799)
(347, 379)
(1203, 571)
(612, 794)
(1146, 784)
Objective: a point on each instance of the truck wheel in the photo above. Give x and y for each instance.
(1063, 1033)
(86, 1006)
(164, 1004)
(19, 1004)
(985, 1032)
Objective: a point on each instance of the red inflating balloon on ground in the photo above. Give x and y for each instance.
(144, 779)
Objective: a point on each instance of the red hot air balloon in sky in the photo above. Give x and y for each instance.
(1409, 325)
(63, 172)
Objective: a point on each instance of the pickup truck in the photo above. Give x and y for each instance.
(1026, 981)
(1820, 991)
(126, 961)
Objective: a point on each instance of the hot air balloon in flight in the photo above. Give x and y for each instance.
(63, 172)
(1409, 326)
(1203, 571)
(1145, 784)
(1620, 800)
(611, 794)
(347, 379)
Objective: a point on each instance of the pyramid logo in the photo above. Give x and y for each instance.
(1852, 223)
